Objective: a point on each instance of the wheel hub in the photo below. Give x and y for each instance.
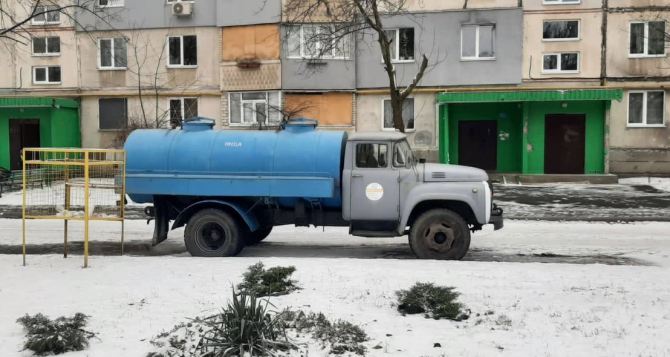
(212, 236)
(439, 237)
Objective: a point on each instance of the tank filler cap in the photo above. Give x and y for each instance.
(301, 124)
(198, 124)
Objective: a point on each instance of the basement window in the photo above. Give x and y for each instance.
(567, 30)
(560, 62)
(182, 51)
(478, 42)
(182, 109)
(46, 46)
(46, 15)
(113, 113)
(113, 53)
(407, 114)
(254, 108)
(46, 75)
(647, 39)
(646, 108)
(402, 44)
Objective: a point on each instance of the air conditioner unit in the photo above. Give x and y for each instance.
(182, 8)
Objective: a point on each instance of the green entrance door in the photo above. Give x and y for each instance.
(23, 133)
(478, 144)
(564, 143)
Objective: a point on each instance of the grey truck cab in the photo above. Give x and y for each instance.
(388, 192)
(230, 188)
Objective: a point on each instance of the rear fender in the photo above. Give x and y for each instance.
(249, 219)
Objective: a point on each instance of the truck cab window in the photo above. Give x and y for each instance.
(402, 155)
(371, 155)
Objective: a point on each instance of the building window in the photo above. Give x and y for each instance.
(646, 108)
(647, 39)
(46, 15)
(46, 46)
(478, 42)
(113, 113)
(402, 44)
(183, 51)
(253, 108)
(182, 109)
(561, 62)
(560, 30)
(558, 2)
(109, 3)
(317, 41)
(407, 114)
(371, 156)
(113, 53)
(46, 75)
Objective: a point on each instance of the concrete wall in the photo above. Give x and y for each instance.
(249, 12)
(438, 35)
(148, 14)
(147, 58)
(535, 5)
(423, 139)
(317, 75)
(92, 136)
(588, 44)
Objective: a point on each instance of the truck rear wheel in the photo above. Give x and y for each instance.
(255, 237)
(439, 234)
(212, 233)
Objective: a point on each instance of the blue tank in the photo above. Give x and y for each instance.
(297, 162)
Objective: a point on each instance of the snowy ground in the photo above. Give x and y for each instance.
(555, 308)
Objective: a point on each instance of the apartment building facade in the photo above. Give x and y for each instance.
(531, 87)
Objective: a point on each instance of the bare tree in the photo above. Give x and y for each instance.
(346, 18)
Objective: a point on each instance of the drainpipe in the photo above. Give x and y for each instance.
(603, 44)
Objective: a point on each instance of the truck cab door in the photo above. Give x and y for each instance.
(374, 200)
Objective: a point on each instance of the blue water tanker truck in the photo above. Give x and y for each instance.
(230, 188)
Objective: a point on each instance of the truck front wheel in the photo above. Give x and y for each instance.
(439, 234)
(212, 233)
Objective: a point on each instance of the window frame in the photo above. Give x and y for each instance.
(407, 130)
(181, 47)
(242, 123)
(579, 31)
(384, 143)
(644, 110)
(477, 57)
(46, 47)
(113, 59)
(304, 56)
(98, 5)
(47, 82)
(46, 16)
(559, 70)
(181, 103)
(396, 41)
(645, 47)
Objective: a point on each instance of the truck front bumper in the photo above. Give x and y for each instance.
(496, 217)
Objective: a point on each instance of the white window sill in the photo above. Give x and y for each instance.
(56, 54)
(175, 2)
(402, 61)
(560, 72)
(647, 56)
(319, 58)
(561, 39)
(477, 59)
(112, 68)
(645, 126)
(108, 6)
(181, 67)
(47, 83)
(562, 3)
(45, 23)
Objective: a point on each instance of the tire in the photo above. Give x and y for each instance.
(212, 233)
(253, 238)
(439, 234)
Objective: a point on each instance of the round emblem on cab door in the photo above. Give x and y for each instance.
(374, 191)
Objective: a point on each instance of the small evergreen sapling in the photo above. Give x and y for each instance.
(260, 282)
(64, 334)
(437, 302)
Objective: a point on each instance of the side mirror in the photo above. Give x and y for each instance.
(422, 161)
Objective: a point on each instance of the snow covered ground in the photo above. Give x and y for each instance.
(551, 309)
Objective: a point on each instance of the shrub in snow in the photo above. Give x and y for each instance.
(437, 302)
(64, 334)
(338, 337)
(258, 281)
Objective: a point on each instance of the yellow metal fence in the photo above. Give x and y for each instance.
(73, 185)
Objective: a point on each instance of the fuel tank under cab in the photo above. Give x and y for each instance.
(298, 162)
